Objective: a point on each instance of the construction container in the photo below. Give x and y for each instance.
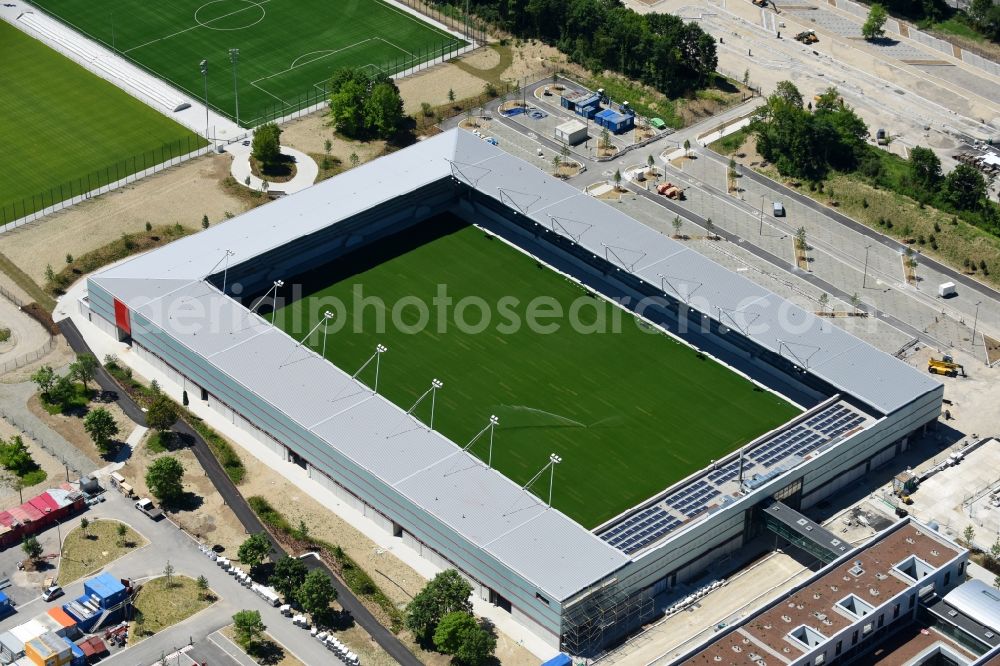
(48, 649)
(571, 132)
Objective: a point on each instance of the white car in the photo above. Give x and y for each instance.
(52, 592)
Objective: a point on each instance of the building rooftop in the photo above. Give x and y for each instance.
(827, 604)
(167, 287)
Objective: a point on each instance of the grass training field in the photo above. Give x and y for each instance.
(629, 412)
(61, 123)
(287, 48)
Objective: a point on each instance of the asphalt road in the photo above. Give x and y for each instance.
(232, 497)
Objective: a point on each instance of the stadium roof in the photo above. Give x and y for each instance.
(167, 286)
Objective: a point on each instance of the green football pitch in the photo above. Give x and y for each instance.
(287, 48)
(66, 131)
(629, 412)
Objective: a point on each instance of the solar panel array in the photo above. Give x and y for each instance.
(651, 524)
(640, 530)
(692, 500)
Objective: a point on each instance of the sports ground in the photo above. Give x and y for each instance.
(62, 124)
(629, 412)
(287, 48)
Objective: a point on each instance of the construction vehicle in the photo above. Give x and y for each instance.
(670, 191)
(807, 37)
(945, 366)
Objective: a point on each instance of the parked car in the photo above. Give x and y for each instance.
(779, 209)
(52, 592)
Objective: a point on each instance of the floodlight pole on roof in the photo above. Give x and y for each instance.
(435, 385)
(274, 288)
(225, 271)
(489, 426)
(326, 316)
(550, 465)
(740, 478)
(379, 350)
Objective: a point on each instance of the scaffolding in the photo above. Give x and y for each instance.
(600, 620)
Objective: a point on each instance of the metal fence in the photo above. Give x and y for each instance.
(124, 171)
(30, 357)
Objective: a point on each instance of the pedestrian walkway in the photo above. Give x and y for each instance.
(305, 175)
(14, 409)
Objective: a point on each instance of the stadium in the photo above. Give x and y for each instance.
(572, 474)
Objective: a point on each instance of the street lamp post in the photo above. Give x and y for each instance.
(760, 232)
(975, 323)
(204, 75)
(234, 57)
(864, 280)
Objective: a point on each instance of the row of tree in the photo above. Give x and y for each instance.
(660, 50)
(60, 390)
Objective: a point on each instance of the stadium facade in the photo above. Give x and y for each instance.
(578, 589)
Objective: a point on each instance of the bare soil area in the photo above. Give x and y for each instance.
(59, 356)
(309, 134)
(71, 427)
(203, 514)
(432, 85)
(181, 194)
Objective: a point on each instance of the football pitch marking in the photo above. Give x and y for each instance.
(201, 24)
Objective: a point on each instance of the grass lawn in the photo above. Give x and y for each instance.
(85, 553)
(288, 50)
(52, 138)
(163, 606)
(630, 412)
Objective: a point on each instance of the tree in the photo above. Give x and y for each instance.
(605, 139)
(84, 524)
(165, 478)
(204, 221)
(168, 572)
(855, 301)
(446, 593)
(994, 553)
(709, 228)
(461, 635)
(248, 627)
(800, 239)
(787, 92)
(315, 593)
(824, 299)
(101, 426)
(617, 178)
(964, 187)
(14, 456)
(253, 551)
(44, 378)
(383, 110)
(62, 392)
(556, 162)
(122, 531)
(288, 575)
(968, 535)
(746, 77)
(31, 548)
(687, 147)
(677, 223)
(925, 169)
(451, 95)
(354, 159)
(202, 584)
(874, 26)
(266, 146)
(162, 414)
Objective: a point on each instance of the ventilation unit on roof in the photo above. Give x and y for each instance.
(801, 521)
(952, 613)
(989, 634)
(856, 570)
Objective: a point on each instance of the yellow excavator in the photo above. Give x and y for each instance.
(945, 366)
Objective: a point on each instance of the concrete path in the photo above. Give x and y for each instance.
(305, 175)
(14, 408)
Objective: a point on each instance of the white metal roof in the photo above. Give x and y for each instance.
(167, 287)
(977, 600)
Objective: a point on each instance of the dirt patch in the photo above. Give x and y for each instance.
(432, 86)
(60, 355)
(204, 515)
(70, 427)
(309, 133)
(992, 349)
(181, 194)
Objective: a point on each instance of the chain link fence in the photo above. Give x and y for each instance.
(23, 360)
(28, 209)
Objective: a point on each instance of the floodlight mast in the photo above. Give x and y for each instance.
(326, 317)
(379, 350)
(489, 426)
(274, 288)
(435, 385)
(225, 271)
(551, 466)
